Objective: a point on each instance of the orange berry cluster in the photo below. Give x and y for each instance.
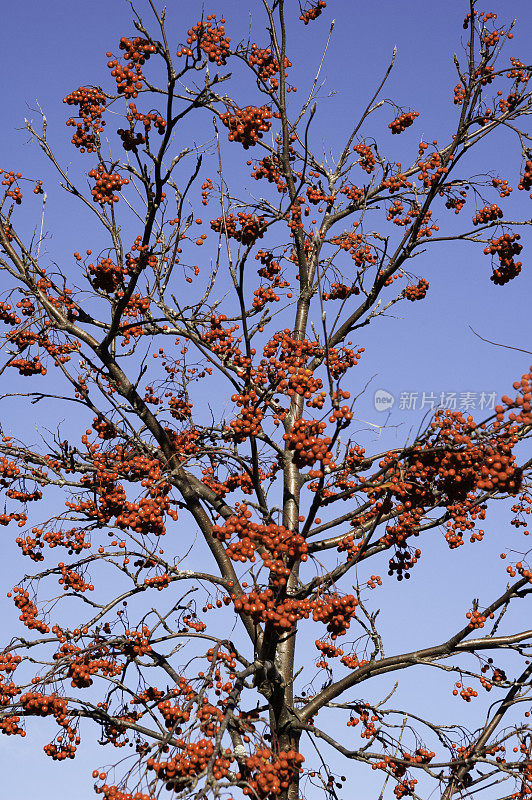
(508, 103)
(340, 291)
(173, 715)
(107, 184)
(518, 71)
(396, 182)
(12, 191)
(159, 582)
(247, 125)
(27, 366)
(106, 275)
(454, 202)
(251, 227)
(191, 761)
(466, 692)
(368, 721)
(356, 244)
(82, 667)
(434, 162)
(269, 168)
(270, 774)
(487, 214)
(151, 117)
(129, 76)
(206, 188)
(505, 248)
(73, 540)
(316, 195)
(274, 542)
(460, 93)
(417, 292)
(263, 295)
(263, 607)
(41, 705)
(526, 179)
(8, 469)
(208, 38)
(477, 619)
(248, 422)
(7, 315)
(70, 579)
(114, 793)
(266, 65)
(61, 751)
(313, 12)
(328, 649)
(367, 160)
(305, 439)
(485, 74)
(403, 121)
(352, 192)
(110, 500)
(9, 662)
(91, 102)
(29, 610)
(336, 612)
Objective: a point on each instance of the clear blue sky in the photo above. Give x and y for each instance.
(51, 48)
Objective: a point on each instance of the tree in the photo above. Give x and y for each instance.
(198, 548)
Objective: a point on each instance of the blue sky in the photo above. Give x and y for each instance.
(51, 48)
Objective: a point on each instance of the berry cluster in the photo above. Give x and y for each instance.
(459, 94)
(454, 202)
(206, 188)
(247, 125)
(106, 275)
(12, 190)
(502, 185)
(356, 244)
(518, 72)
(476, 618)
(505, 248)
(83, 665)
(340, 291)
(466, 692)
(251, 227)
(41, 705)
(270, 774)
(28, 610)
(190, 761)
(8, 316)
(336, 612)
(434, 162)
(313, 12)
(275, 543)
(403, 121)
(129, 76)
(526, 179)
(487, 214)
(91, 102)
(248, 422)
(367, 159)
(308, 445)
(209, 38)
(107, 183)
(417, 292)
(266, 65)
(269, 168)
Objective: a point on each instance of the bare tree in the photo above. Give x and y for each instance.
(185, 634)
